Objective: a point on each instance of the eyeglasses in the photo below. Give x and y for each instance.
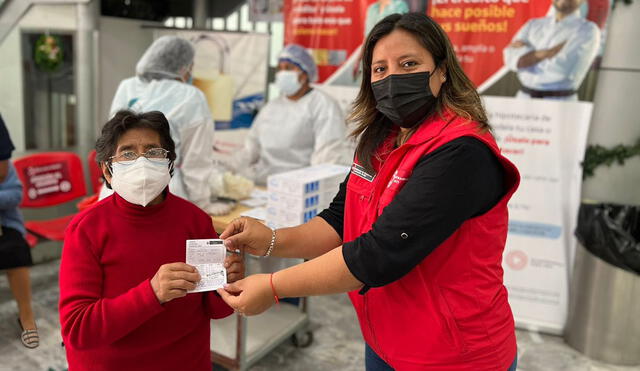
(152, 154)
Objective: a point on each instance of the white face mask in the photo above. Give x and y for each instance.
(140, 181)
(287, 82)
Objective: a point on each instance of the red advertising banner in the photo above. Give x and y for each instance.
(331, 30)
(490, 35)
(480, 31)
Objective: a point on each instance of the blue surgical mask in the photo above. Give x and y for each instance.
(287, 82)
(189, 80)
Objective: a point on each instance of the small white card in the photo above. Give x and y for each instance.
(208, 258)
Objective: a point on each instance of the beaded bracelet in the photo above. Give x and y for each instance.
(272, 244)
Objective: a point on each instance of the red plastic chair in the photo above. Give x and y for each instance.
(95, 173)
(32, 240)
(87, 202)
(50, 179)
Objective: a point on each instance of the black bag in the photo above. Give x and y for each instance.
(612, 233)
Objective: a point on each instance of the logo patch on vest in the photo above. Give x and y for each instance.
(398, 178)
(362, 173)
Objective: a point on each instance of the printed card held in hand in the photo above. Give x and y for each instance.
(208, 258)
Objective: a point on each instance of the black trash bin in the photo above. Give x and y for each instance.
(604, 305)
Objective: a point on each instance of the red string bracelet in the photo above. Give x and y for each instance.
(273, 289)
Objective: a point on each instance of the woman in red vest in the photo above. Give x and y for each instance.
(417, 230)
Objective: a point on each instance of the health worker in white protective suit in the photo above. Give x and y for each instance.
(302, 127)
(162, 83)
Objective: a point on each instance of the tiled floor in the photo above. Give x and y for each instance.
(337, 345)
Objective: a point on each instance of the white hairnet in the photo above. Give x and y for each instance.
(299, 56)
(168, 57)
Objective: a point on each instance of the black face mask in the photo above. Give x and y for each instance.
(405, 99)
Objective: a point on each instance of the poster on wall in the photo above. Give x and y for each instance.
(234, 85)
(526, 48)
(333, 32)
(535, 62)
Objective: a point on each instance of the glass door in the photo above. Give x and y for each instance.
(49, 91)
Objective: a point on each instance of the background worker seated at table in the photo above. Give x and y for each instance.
(302, 127)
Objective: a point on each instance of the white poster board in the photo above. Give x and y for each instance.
(546, 140)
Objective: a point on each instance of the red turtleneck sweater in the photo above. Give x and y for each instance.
(110, 316)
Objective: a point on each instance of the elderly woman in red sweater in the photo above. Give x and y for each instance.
(123, 281)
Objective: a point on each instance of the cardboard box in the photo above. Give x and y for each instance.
(291, 217)
(290, 202)
(310, 180)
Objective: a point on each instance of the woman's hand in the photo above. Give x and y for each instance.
(234, 263)
(247, 234)
(173, 280)
(250, 296)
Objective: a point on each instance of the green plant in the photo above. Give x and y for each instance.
(597, 155)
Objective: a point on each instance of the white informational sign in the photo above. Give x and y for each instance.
(208, 258)
(546, 140)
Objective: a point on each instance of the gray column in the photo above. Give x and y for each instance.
(86, 78)
(615, 113)
(200, 8)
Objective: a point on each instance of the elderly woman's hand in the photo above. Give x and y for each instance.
(234, 263)
(250, 296)
(173, 280)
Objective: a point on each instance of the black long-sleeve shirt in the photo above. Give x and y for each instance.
(6, 146)
(458, 181)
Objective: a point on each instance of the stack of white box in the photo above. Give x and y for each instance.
(295, 197)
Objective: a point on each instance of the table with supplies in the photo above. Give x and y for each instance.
(237, 342)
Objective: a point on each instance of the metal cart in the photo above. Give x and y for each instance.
(238, 342)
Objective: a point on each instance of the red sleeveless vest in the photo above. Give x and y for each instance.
(451, 311)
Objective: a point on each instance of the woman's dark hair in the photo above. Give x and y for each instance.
(124, 121)
(457, 94)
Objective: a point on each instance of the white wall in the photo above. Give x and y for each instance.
(11, 106)
(50, 17)
(615, 117)
(122, 43)
(38, 18)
